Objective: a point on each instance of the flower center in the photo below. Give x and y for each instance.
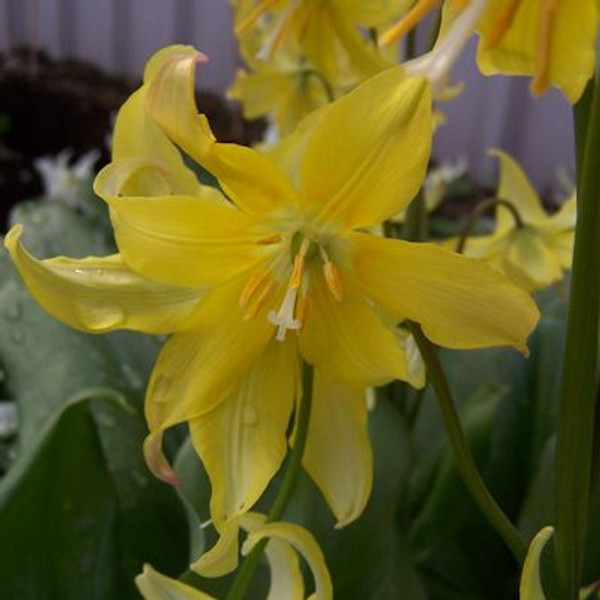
(292, 311)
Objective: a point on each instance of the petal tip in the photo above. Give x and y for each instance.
(12, 237)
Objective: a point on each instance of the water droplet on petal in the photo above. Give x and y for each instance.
(12, 312)
(249, 416)
(8, 419)
(100, 317)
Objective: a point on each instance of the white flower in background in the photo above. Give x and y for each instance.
(65, 182)
(439, 178)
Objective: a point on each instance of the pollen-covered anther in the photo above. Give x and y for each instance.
(541, 78)
(332, 277)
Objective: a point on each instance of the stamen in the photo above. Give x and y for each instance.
(251, 286)
(258, 11)
(260, 300)
(541, 78)
(296, 276)
(502, 24)
(411, 19)
(268, 240)
(279, 33)
(332, 276)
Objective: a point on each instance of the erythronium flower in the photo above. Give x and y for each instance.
(284, 270)
(535, 251)
(285, 542)
(553, 41)
(324, 30)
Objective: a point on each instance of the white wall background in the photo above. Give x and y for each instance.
(120, 34)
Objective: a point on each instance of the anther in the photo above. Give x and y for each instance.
(541, 78)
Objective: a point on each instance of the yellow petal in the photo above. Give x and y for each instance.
(136, 136)
(530, 263)
(199, 368)
(562, 52)
(561, 245)
(531, 584)
(251, 180)
(460, 302)
(366, 160)
(101, 294)
(223, 557)
(185, 240)
(338, 450)
(242, 442)
(346, 340)
(305, 544)
(286, 577)
(515, 187)
(155, 586)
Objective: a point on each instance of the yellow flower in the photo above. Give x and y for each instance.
(533, 253)
(285, 88)
(554, 41)
(324, 30)
(281, 269)
(285, 541)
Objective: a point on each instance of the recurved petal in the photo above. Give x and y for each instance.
(460, 302)
(99, 294)
(222, 558)
(346, 340)
(531, 583)
(155, 586)
(242, 442)
(200, 367)
(305, 544)
(530, 262)
(185, 240)
(338, 451)
(515, 187)
(137, 136)
(250, 179)
(286, 577)
(366, 160)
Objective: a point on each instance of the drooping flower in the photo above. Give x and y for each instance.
(536, 250)
(325, 31)
(552, 41)
(286, 541)
(281, 269)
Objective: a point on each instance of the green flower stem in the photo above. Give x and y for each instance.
(292, 470)
(480, 210)
(579, 376)
(462, 454)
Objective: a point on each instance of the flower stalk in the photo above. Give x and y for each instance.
(579, 375)
(480, 210)
(292, 470)
(462, 454)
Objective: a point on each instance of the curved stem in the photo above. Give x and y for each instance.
(462, 454)
(324, 82)
(575, 423)
(292, 470)
(481, 209)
